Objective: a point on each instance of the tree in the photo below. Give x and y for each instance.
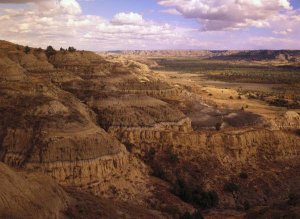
(26, 49)
(50, 51)
(71, 49)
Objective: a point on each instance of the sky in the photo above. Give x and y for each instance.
(102, 25)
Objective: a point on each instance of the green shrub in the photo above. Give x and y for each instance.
(26, 49)
(231, 187)
(195, 215)
(71, 49)
(218, 126)
(183, 191)
(172, 210)
(243, 175)
(206, 200)
(129, 146)
(279, 102)
(50, 51)
(293, 199)
(246, 205)
(158, 171)
(172, 157)
(202, 199)
(151, 154)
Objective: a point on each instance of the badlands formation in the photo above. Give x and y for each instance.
(92, 136)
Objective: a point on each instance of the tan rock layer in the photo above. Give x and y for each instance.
(83, 173)
(229, 147)
(167, 93)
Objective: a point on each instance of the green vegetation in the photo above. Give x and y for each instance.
(26, 49)
(293, 199)
(129, 146)
(172, 156)
(196, 196)
(283, 82)
(231, 71)
(218, 126)
(246, 205)
(243, 175)
(195, 215)
(158, 171)
(231, 187)
(71, 49)
(50, 51)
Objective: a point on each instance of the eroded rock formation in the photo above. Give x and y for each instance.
(104, 124)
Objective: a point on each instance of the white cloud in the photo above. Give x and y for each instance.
(70, 6)
(286, 24)
(128, 18)
(172, 11)
(61, 23)
(19, 1)
(228, 14)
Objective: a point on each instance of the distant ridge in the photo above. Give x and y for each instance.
(249, 55)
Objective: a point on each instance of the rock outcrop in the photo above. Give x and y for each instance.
(45, 128)
(104, 124)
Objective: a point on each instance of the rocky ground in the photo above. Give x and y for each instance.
(122, 141)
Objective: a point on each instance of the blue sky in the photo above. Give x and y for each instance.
(148, 8)
(152, 24)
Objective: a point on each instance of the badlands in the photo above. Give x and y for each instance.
(149, 134)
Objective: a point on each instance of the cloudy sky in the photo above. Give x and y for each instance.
(152, 24)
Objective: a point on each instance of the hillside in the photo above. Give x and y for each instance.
(110, 128)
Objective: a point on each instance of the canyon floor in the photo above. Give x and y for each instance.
(149, 135)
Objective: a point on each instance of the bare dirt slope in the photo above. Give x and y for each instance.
(30, 195)
(111, 130)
